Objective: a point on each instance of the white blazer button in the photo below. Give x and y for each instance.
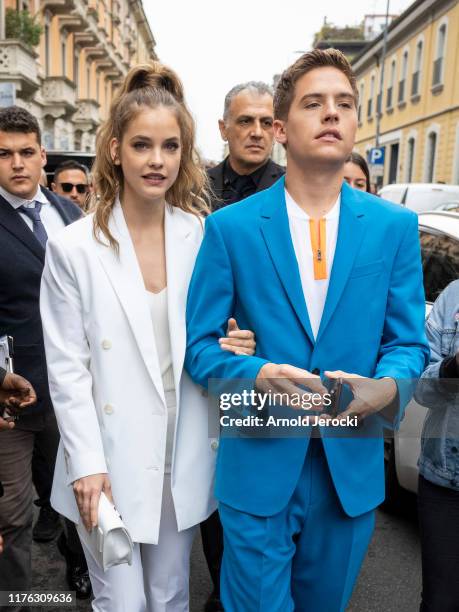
(106, 345)
(108, 409)
(214, 445)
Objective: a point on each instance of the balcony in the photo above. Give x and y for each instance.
(59, 96)
(87, 115)
(18, 65)
(57, 7)
(437, 84)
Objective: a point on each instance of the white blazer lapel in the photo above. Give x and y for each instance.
(180, 257)
(124, 273)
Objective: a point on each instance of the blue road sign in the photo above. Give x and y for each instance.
(376, 156)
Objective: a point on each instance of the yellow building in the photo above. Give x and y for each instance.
(67, 81)
(419, 124)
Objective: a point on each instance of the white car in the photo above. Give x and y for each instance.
(439, 235)
(420, 197)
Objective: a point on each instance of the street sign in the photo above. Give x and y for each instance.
(376, 170)
(376, 156)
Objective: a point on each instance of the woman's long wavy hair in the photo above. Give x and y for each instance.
(147, 85)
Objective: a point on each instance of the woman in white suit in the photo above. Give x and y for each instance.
(113, 307)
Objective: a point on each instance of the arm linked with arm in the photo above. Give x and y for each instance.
(211, 299)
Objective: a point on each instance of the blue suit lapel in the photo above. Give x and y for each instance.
(350, 234)
(276, 233)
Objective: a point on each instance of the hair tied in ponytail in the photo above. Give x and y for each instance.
(153, 74)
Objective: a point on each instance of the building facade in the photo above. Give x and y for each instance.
(68, 80)
(419, 102)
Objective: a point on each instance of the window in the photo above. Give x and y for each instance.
(390, 89)
(64, 52)
(456, 158)
(401, 84)
(98, 86)
(431, 152)
(47, 35)
(77, 140)
(359, 110)
(88, 80)
(371, 96)
(440, 262)
(410, 159)
(76, 71)
(417, 70)
(437, 77)
(48, 132)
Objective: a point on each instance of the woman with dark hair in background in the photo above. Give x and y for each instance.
(356, 172)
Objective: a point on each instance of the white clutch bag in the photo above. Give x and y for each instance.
(110, 542)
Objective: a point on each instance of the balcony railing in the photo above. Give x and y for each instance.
(437, 70)
(389, 97)
(401, 91)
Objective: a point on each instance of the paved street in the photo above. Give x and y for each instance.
(389, 582)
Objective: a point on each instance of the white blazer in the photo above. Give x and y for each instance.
(105, 379)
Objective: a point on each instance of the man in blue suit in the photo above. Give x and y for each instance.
(330, 280)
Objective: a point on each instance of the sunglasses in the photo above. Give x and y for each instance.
(80, 187)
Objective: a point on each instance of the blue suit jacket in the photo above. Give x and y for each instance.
(372, 325)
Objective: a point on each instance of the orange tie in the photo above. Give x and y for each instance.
(317, 229)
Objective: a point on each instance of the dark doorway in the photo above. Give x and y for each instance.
(393, 163)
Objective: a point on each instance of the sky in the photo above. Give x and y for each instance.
(215, 44)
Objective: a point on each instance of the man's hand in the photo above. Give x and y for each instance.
(238, 341)
(16, 393)
(285, 378)
(87, 493)
(370, 394)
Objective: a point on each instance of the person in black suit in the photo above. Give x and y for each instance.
(28, 214)
(247, 127)
(15, 393)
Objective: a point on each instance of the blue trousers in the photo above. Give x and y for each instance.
(305, 558)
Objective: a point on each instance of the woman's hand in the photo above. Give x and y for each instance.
(238, 341)
(87, 492)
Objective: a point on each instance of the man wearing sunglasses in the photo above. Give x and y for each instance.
(71, 180)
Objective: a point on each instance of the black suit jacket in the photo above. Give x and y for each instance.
(22, 259)
(272, 172)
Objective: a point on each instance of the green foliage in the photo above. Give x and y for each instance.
(21, 25)
(332, 32)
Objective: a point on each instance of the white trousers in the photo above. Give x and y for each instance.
(157, 580)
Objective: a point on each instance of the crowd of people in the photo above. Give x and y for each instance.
(125, 296)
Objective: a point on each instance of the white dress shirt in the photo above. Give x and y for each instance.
(50, 217)
(314, 291)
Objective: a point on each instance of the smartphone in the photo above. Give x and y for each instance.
(335, 396)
